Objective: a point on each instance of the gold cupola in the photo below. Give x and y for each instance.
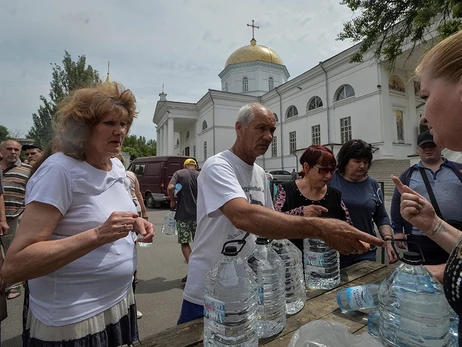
(254, 52)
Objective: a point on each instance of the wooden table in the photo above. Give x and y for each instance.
(321, 304)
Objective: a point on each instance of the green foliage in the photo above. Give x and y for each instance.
(386, 25)
(139, 147)
(4, 133)
(70, 76)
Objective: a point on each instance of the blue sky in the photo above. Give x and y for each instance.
(182, 44)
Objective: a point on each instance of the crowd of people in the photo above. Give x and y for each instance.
(63, 240)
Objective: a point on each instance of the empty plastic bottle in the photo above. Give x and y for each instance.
(322, 265)
(295, 281)
(269, 270)
(169, 224)
(413, 308)
(453, 329)
(358, 297)
(230, 302)
(373, 323)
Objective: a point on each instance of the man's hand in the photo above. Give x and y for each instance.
(143, 227)
(172, 204)
(4, 227)
(345, 238)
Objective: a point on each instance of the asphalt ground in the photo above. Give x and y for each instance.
(158, 294)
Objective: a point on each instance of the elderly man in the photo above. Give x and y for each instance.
(233, 198)
(15, 176)
(185, 215)
(445, 181)
(32, 152)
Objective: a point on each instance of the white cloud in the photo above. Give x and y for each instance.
(183, 44)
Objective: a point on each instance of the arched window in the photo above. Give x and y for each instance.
(395, 83)
(245, 84)
(187, 134)
(276, 117)
(344, 92)
(204, 125)
(291, 112)
(177, 142)
(314, 103)
(270, 83)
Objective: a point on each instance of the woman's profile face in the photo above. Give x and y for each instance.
(107, 136)
(443, 110)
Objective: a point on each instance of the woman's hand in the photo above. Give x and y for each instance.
(117, 226)
(314, 210)
(392, 256)
(143, 227)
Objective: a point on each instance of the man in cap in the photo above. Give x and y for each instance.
(445, 179)
(184, 182)
(32, 152)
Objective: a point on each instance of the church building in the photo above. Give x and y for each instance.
(330, 103)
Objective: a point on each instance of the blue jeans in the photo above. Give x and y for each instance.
(190, 311)
(347, 260)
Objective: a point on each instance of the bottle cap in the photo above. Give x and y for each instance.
(261, 241)
(412, 258)
(230, 250)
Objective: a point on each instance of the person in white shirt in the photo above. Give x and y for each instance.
(74, 244)
(233, 198)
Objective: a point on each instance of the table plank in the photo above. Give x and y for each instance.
(321, 304)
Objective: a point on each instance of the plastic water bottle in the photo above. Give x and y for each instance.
(270, 274)
(295, 281)
(358, 297)
(453, 329)
(322, 265)
(230, 302)
(373, 323)
(142, 244)
(169, 224)
(413, 308)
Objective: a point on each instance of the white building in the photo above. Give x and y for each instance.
(329, 104)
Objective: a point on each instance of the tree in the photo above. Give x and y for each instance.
(386, 25)
(4, 133)
(71, 76)
(139, 147)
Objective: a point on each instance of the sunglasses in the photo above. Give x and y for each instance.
(325, 170)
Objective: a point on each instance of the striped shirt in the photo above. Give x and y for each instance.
(14, 185)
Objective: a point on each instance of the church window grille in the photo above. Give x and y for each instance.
(245, 84)
(270, 83)
(345, 129)
(316, 134)
(205, 150)
(344, 92)
(204, 125)
(314, 103)
(292, 141)
(291, 112)
(274, 147)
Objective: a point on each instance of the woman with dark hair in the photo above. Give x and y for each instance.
(74, 244)
(363, 197)
(310, 195)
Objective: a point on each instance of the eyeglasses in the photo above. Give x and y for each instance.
(324, 170)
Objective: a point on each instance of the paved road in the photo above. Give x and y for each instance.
(159, 292)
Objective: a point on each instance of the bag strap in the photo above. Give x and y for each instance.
(430, 192)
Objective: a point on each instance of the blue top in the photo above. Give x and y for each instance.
(446, 186)
(364, 201)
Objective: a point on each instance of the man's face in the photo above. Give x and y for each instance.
(257, 136)
(10, 151)
(32, 155)
(429, 153)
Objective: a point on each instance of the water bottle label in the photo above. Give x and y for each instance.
(358, 298)
(314, 259)
(214, 310)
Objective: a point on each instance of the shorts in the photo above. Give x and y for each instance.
(186, 230)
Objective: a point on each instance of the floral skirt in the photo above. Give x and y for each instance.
(117, 326)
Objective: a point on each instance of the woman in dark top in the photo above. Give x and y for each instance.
(310, 195)
(441, 87)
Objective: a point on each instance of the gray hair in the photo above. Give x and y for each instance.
(3, 143)
(246, 113)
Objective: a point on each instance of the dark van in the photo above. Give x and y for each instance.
(154, 174)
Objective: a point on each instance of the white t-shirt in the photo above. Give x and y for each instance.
(86, 197)
(223, 177)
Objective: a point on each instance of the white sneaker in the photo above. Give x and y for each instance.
(138, 314)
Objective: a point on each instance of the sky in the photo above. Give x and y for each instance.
(181, 44)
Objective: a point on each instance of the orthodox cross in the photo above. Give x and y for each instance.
(253, 28)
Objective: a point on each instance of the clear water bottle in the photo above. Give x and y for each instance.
(322, 265)
(169, 224)
(373, 323)
(142, 244)
(230, 302)
(295, 281)
(413, 308)
(358, 297)
(453, 329)
(269, 270)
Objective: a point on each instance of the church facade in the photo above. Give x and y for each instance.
(328, 104)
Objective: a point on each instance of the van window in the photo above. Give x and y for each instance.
(153, 169)
(173, 167)
(138, 169)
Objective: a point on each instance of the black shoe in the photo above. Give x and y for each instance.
(183, 280)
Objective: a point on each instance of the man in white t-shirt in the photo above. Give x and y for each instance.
(233, 198)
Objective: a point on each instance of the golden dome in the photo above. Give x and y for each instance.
(254, 52)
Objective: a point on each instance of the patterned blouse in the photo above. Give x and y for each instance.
(453, 283)
(291, 201)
